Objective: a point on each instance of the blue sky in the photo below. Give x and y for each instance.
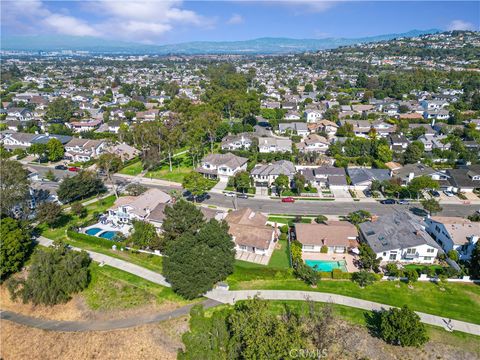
(173, 21)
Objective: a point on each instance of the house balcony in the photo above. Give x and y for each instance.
(411, 256)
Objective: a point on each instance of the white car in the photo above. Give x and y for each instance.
(448, 193)
(230, 194)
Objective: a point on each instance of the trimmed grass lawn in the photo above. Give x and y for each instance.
(458, 301)
(132, 169)
(113, 289)
(280, 257)
(288, 220)
(176, 175)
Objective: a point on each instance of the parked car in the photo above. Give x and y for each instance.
(434, 193)
(60, 167)
(242, 196)
(388, 202)
(73, 168)
(288, 199)
(403, 202)
(448, 193)
(229, 194)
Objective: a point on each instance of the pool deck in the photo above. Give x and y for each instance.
(348, 258)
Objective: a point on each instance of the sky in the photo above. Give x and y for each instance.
(175, 21)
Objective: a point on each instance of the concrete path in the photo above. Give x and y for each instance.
(99, 325)
(225, 296)
(117, 263)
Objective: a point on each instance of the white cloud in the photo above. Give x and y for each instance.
(236, 19)
(315, 6)
(461, 25)
(134, 20)
(69, 25)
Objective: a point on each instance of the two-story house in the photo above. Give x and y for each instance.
(313, 143)
(237, 142)
(271, 144)
(265, 175)
(221, 166)
(84, 149)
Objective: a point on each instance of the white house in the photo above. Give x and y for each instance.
(399, 237)
(84, 149)
(80, 126)
(236, 142)
(298, 128)
(312, 115)
(313, 143)
(454, 233)
(270, 144)
(292, 116)
(222, 166)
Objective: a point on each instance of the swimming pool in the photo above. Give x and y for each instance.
(327, 265)
(107, 235)
(93, 231)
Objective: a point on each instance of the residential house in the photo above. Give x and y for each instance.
(326, 176)
(313, 143)
(222, 166)
(298, 128)
(334, 236)
(265, 175)
(361, 178)
(410, 171)
(271, 144)
(79, 126)
(157, 215)
(21, 114)
(465, 179)
(398, 143)
(399, 237)
(18, 140)
(84, 149)
(312, 115)
(454, 233)
(129, 208)
(237, 142)
(124, 151)
(292, 116)
(431, 142)
(328, 127)
(250, 233)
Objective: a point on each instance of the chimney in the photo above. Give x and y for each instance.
(374, 218)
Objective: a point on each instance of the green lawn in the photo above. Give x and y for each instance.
(132, 169)
(289, 220)
(113, 289)
(176, 175)
(458, 301)
(280, 257)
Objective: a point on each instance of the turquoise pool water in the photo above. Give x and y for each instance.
(327, 265)
(93, 231)
(108, 235)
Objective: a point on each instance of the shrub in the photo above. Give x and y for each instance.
(453, 254)
(321, 219)
(296, 251)
(282, 236)
(363, 278)
(307, 274)
(411, 275)
(393, 270)
(284, 229)
(324, 249)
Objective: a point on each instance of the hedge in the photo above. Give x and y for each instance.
(93, 240)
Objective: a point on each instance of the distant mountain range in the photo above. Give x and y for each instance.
(255, 46)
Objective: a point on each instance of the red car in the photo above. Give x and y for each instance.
(73, 168)
(288, 199)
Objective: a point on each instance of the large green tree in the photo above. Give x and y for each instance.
(241, 181)
(281, 183)
(14, 185)
(195, 262)
(196, 184)
(110, 163)
(54, 275)
(80, 186)
(55, 149)
(475, 262)
(60, 109)
(431, 205)
(15, 246)
(144, 235)
(402, 327)
(368, 258)
(49, 212)
(180, 218)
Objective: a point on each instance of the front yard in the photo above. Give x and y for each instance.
(132, 169)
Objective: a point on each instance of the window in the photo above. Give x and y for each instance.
(430, 250)
(393, 256)
(384, 254)
(308, 247)
(411, 251)
(427, 258)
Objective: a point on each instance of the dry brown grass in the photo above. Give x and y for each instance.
(154, 341)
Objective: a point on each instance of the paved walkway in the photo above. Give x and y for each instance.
(99, 325)
(231, 297)
(117, 263)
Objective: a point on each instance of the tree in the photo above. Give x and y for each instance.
(49, 212)
(207, 337)
(411, 275)
(135, 189)
(15, 246)
(308, 88)
(422, 183)
(431, 205)
(402, 327)
(383, 153)
(362, 80)
(413, 152)
(54, 275)
(195, 262)
(299, 182)
(110, 163)
(195, 183)
(363, 278)
(475, 262)
(38, 149)
(180, 218)
(78, 209)
(368, 258)
(60, 108)
(241, 181)
(453, 254)
(14, 185)
(83, 185)
(257, 333)
(281, 183)
(359, 216)
(50, 175)
(144, 235)
(55, 149)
